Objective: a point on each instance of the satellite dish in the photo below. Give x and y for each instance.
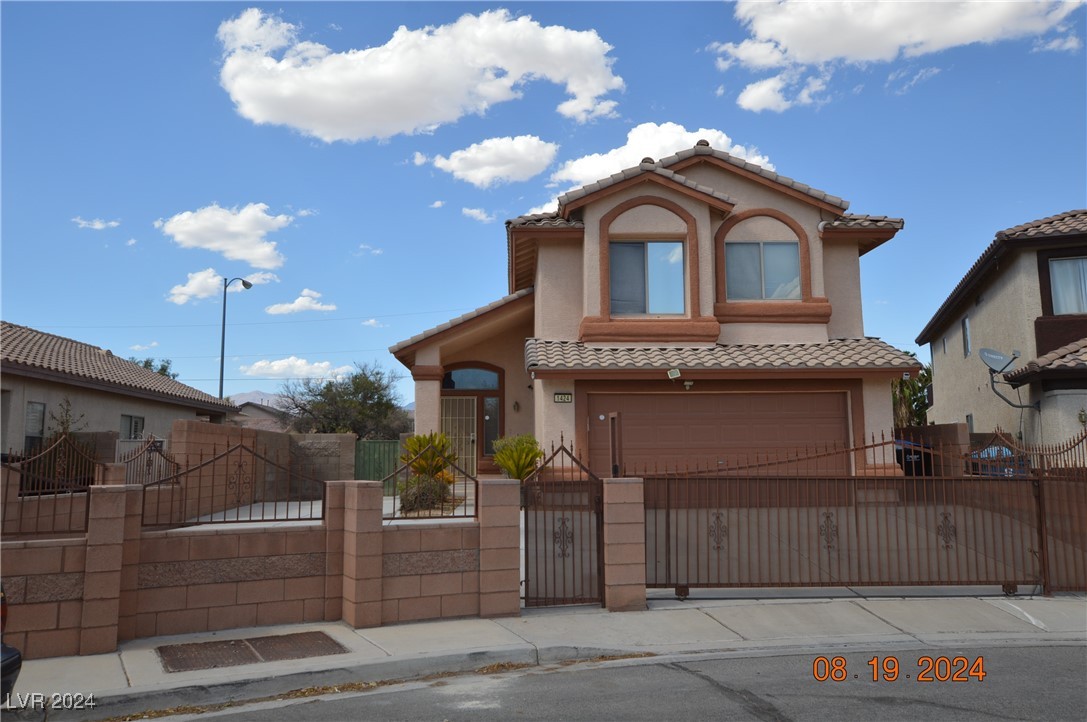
(995, 360)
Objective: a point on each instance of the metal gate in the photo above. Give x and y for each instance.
(459, 424)
(563, 507)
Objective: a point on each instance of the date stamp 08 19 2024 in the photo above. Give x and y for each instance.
(52, 700)
(887, 669)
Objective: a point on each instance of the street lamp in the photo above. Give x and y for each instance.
(222, 345)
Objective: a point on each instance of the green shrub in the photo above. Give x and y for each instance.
(517, 456)
(434, 451)
(421, 492)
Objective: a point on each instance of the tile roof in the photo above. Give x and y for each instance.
(1060, 224)
(855, 353)
(460, 319)
(37, 350)
(852, 220)
(1070, 357)
(644, 167)
(703, 148)
(1069, 223)
(544, 220)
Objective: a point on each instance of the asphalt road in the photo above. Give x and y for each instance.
(1011, 682)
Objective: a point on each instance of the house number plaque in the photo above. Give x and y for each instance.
(564, 398)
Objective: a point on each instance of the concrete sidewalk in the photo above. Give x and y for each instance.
(134, 678)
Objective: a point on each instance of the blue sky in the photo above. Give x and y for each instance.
(356, 161)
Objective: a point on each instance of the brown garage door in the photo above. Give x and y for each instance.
(673, 430)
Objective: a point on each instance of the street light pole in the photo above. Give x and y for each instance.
(222, 344)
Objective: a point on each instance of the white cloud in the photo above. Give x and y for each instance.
(478, 214)
(95, 225)
(417, 81)
(306, 301)
(419, 159)
(437, 204)
(306, 212)
(294, 367)
(653, 141)
(143, 347)
(209, 282)
(764, 95)
(499, 160)
(720, 91)
(800, 34)
(1067, 44)
(373, 323)
(648, 140)
(904, 84)
(368, 249)
(238, 234)
(131, 242)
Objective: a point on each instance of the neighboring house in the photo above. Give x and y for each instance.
(710, 303)
(1027, 293)
(252, 415)
(107, 393)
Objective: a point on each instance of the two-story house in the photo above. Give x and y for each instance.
(702, 302)
(1026, 293)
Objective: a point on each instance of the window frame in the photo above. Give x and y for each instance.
(128, 423)
(1045, 281)
(33, 442)
(762, 270)
(964, 327)
(644, 243)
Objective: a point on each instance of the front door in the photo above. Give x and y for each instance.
(459, 424)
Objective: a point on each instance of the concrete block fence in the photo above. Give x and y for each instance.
(86, 593)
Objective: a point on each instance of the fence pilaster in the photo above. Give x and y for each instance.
(362, 554)
(107, 506)
(499, 547)
(624, 545)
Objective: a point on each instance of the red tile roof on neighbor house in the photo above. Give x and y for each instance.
(1068, 359)
(31, 352)
(1063, 227)
(851, 353)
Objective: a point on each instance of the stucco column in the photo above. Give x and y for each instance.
(428, 406)
(499, 547)
(624, 545)
(362, 551)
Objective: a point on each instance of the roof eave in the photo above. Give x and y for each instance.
(565, 209)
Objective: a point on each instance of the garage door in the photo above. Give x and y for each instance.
(672, 430)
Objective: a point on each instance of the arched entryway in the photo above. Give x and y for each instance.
(472, 400)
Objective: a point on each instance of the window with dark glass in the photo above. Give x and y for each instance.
(647, 277)
(1068, 282)
(758, 270)
(34, 426)
(470, 380)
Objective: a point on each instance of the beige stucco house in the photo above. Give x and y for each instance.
(703, 302)
(38, 371)
(1026, 293)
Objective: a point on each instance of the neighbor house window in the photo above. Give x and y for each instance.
(965, 335)
(131, 427)
(762, 270)
(969, 423)
(1068, 281)
(34, 426)
(647, 277)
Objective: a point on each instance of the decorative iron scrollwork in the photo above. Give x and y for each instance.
(564, 537)
(946, 530)
(829, 529)
(718, 531)
(240, 481)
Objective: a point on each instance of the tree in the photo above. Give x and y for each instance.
(363, 403)
(910, 400)
(162, 368)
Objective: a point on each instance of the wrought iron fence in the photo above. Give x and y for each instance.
(564, 532)
(427, 485)
(910, 513)
(45, 491)
(235, 485)
(148, 462)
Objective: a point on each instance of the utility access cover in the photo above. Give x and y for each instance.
(234, 652)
